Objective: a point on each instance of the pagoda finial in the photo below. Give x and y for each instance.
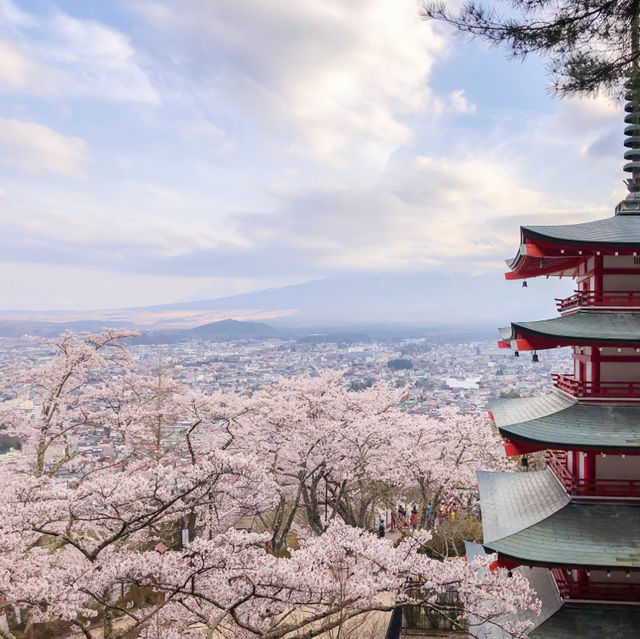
(632, 109)
(632, 130)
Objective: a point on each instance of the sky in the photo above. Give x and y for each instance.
(172, 150)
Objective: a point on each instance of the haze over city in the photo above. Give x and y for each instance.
(153, 154)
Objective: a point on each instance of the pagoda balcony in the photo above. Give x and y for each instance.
(596, 488)
(595, 590)
(582, 299)
(581, 389)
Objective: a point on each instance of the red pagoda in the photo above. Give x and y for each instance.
(578, 520)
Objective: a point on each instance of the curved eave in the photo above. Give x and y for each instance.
(530, 519)
(571, 441)
(584, 327)
(611, 232)
(554, 421)
(559, 249)
(591, 535)
(527, 266)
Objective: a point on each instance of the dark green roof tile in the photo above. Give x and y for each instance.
(619, 230)
(590, 621)
(579, 534)
(559, 421)
(584, 325)
(514, 501)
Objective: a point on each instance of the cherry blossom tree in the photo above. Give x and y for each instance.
(437, 458)
(96, 540)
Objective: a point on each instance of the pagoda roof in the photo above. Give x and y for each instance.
(559, 249)
(619, 230)
(528, 517)
(582, 327)
(558, 421)
(590, 621)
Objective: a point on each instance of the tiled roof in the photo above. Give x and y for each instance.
(512, 502)
(592, 326)
(591, 621)
(618, 230)
(580, 534)
(556, 420)
(529, 518)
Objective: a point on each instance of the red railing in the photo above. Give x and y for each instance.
(598, 590)
(585, 390)
(577, 487)
(597, 298)
(557, 462)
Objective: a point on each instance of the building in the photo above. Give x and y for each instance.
(579, 518)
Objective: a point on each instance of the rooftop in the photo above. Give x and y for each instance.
(529, 517)
(583, 326)
(589, 621)
(618, 230)
(556, 420)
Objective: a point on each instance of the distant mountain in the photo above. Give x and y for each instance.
(232, 329)
(424, 298)
(438, 300)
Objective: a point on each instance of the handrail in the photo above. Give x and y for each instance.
(579, 487)
(585, 389)
(598, 298)
(601, 590)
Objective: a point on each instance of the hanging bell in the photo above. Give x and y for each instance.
(535, 358)
(516, 354)
(543, 264)
(524, 284)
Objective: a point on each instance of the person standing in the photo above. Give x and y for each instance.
(428, 514)
(381, 529)
(414, 516)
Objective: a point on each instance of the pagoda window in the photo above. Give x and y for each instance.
(618, 467)
(621, 282)
(619, 371)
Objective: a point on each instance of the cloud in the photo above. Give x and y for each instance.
(60, 55)
(21, 74)
(460, 103)
(432, 212)
(336, 79)
(34, 148)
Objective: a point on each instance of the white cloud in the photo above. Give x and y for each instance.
(336, 78)
(34, 148)
(13, 17)
(460, 103)
(207, 134)
(21, 74)
(100, 59)
(60, 55)
(435, 212)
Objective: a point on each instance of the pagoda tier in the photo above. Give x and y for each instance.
(560, 619)
(557, 421)
(581, 328)
(590, 622)
(529, 519)
(559, 250)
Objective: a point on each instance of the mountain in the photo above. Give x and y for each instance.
(424, 298)
(443, 300)
(232, 329)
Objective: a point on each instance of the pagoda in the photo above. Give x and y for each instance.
(574, 527)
